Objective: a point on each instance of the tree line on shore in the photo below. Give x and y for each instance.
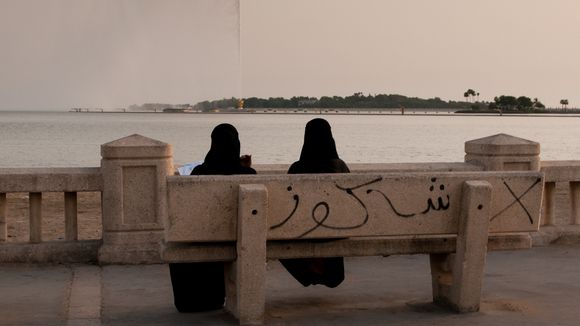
(355, 101)
(512, 103)
(505, 103)
(502, 103)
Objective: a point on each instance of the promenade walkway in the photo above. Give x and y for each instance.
(533, 287)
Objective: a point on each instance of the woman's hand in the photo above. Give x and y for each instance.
(246, 160)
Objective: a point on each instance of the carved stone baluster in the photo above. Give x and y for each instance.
(549, 204)
(3, 213)
(35, 214)
(70, 216)
(575, 202)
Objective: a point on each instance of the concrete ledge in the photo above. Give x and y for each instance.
(50, 252)
(560, 171)
(174, 252)
(130, 248)
(51, 180)
(557, 235)
(415, 167)
(129, 254)
(375, 246)
(382, 167)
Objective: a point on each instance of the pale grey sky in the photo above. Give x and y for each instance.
(57, 54)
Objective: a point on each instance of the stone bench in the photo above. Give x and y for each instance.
(455, 217)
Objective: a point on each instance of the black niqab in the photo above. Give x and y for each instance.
(318, 153)
(318, 142)
(224, 154)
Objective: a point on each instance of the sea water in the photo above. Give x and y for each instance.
(66, 139)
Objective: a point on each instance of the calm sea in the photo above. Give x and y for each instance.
(62, 139)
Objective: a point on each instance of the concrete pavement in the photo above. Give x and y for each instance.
(536, 287)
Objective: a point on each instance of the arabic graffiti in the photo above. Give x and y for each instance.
(390, 203)
(517, 200)
(320, 212)
(440, 204)
(296, 203)
(439, 199)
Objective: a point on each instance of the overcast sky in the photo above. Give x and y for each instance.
(109, 53)
(58, 54)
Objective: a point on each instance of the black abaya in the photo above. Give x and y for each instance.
(318, 156)
(200, 286)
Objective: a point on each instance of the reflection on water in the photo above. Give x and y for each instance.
(73, 139)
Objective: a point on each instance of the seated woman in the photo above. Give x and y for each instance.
(318, 156)
(200, 286)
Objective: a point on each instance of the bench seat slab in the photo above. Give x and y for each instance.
(175, 252)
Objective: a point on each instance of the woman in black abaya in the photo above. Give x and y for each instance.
(200, 286)
(318, 156)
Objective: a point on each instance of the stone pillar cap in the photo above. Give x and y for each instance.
(502, 144)
(136, 146)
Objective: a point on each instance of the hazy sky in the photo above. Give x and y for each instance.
(109, 53)
(422, 48)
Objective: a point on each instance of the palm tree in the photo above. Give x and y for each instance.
(564, 103)
(470, 92)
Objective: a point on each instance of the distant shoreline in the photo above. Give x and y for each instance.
(355, 112)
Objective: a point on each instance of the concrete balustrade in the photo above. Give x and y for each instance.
(133, 181)
(35, 182)
(561, 172)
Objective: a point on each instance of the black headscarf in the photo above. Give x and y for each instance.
(319, 151)
(224, 154)
(318, 142)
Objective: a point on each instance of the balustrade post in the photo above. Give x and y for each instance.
(3, 215)
(575, 202)
(35, 215)
(70, 216)
(134, 199)
(503, 152)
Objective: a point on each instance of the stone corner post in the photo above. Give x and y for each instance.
(503, 152)
(134, 199)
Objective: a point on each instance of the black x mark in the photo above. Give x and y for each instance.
(517, 200)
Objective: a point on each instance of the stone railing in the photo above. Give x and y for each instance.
(561, 206)
(35, 182)
(133, 182)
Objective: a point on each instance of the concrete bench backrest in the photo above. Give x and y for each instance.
(205, 208)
